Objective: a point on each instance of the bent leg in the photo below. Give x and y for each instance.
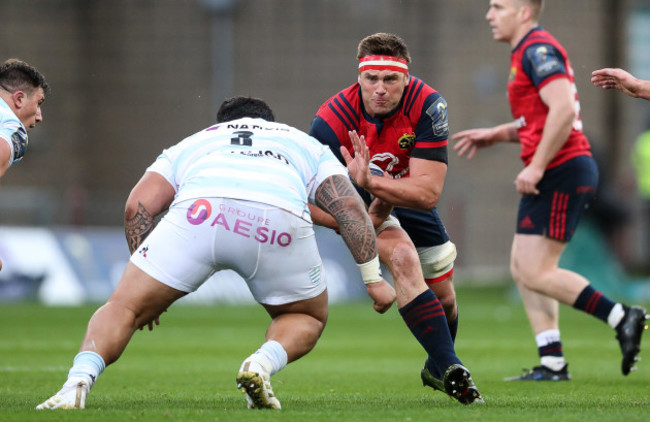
(294, 330)
(425, 317)
(137, 300)
(438, 268)
(446, 293)
(297, 326)
(534, 267)
(397, 252)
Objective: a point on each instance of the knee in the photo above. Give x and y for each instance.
(403, 259)
(319, 322)
(525, 275)
(129, 315)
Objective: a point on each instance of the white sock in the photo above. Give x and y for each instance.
(256, 363)
(87, 366)
(270, 358)
(544, 339)
(553, 362)
(615, 315)
(547, 337)
(275, 354)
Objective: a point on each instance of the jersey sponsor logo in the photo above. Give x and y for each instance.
(387, 162)
(406, 141)
(544, 59)
(438, 113)
(245, 228)
(513, 73)
(247, 126)
(261, 153)
(240, 222)
(19, 144)
(198, 212)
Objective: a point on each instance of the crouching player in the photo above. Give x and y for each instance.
(237, 194)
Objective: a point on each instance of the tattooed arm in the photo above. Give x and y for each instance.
(151, 196)
(337, 197)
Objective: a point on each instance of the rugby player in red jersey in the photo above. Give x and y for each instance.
(558, 181)
(397, 124)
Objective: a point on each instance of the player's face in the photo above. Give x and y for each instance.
(381, 90)
(503, 18)
(29, 112)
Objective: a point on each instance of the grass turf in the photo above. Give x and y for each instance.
(365, 367)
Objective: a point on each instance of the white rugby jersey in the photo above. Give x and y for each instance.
(13, 132)
(249, 159)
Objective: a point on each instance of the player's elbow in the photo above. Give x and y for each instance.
(131, 208)
(568, 113)
(428, 202)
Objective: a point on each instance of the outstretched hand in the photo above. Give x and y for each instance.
(383, 295)
(359, 165)
(610, 78)
(470, 141)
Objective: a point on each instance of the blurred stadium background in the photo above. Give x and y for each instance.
(130, 77)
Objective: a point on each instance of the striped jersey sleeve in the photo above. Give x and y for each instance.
(13, 132)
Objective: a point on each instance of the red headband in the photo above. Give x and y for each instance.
(383, 63)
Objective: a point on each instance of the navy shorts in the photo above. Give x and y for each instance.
(565, 192)
(425, 228)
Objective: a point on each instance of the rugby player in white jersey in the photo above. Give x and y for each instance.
(237, 196)
(22, 91)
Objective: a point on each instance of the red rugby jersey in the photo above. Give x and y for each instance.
(418, 127)
(537, 60)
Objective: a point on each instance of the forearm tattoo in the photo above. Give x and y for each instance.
(138, 227)
(337, 196)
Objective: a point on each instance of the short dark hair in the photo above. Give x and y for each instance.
(238, 107)
(16, 75)
(383, 44)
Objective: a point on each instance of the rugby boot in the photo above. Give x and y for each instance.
(628, 334)
(543, 373)
(71, 396)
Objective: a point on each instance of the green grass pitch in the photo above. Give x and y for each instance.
(365, 367)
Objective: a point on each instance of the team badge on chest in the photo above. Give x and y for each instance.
(406, 141)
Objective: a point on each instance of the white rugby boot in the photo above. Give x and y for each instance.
(254, 380)
(71, 396)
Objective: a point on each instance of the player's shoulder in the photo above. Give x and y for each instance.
(8, 118)
(418, 96)
(347, 98)
(338, 115)
(540, 38)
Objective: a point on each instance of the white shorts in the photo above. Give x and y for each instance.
(274, 251)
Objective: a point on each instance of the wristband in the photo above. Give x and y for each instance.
(370, 271)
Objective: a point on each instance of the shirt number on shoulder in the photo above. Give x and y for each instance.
(244, 137)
